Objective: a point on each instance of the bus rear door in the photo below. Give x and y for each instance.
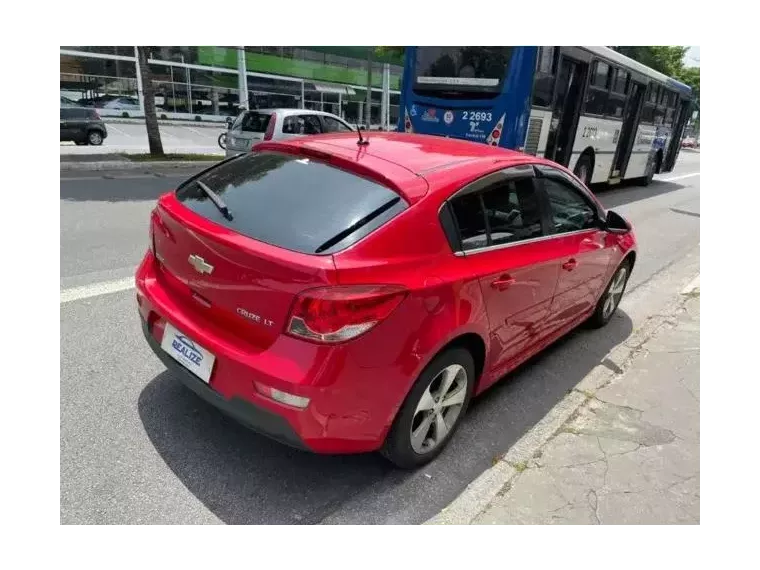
(682, 115)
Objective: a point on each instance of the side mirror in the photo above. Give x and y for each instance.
(616, 223)
(229, 122)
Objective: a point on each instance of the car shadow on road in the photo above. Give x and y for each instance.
(614, 196)
(245, 478)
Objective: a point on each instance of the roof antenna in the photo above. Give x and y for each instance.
(362, 141)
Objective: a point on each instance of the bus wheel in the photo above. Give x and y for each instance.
(651, 168)
(584, 169)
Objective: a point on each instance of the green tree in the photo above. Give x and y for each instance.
(690, 76)
(665, 59)
(390, 51)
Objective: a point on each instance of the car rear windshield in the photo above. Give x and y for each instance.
(292, 202)
(252, 122)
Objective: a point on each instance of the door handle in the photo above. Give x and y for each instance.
(590, 242)
(503, 282)
(569, 265)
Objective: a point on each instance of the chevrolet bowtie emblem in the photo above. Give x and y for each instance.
(200, 265)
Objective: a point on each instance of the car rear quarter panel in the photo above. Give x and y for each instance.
(443, 303)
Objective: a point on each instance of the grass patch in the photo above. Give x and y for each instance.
(172, 157)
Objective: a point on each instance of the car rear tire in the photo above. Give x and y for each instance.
(95, 138)
(432, 411)
(610, 299)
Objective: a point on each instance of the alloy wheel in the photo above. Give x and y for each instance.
(439, 408)
(615, 292)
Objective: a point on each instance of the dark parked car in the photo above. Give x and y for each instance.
(82, 125)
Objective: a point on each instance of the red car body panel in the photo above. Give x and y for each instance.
(512, 302)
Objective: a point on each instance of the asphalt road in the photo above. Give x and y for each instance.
(136, 447)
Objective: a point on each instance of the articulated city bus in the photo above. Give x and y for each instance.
(601, 114)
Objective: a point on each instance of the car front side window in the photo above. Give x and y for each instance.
(570, 212)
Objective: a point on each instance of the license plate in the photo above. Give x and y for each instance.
(188, 353)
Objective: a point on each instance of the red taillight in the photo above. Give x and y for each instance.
(97, 116)
(337, 314)
(270, 128)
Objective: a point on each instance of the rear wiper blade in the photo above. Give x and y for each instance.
(214, 197)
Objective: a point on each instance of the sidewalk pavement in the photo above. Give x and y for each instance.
(625, 451)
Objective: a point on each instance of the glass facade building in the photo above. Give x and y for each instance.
(192, 81)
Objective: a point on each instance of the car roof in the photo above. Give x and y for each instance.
(412, 156)
(286, 112)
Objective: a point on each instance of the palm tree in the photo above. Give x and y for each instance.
(149, 103)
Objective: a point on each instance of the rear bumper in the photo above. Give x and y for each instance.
(354, 391)
(251, 416)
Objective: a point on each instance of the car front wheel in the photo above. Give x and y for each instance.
(610, 299)
(432, 411)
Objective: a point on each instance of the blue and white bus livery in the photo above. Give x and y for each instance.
(601, 114)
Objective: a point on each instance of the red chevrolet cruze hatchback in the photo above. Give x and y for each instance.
(346, 296)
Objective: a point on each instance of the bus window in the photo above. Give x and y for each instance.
(647, 113)
(620, 85)
(468, 72)
(659, 115)
(598, 90)
(663, 102)
(600, 77)
(653, 93)
(615, 105)
(543, 85)
(596, 101)
(616, 101)
(670, 108)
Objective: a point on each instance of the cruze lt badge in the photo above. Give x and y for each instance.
(200, 265)
(254, 317)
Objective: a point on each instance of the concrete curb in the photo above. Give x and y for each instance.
(497, 480)
(129, 165)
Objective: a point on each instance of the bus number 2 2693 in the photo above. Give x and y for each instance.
(476, 116)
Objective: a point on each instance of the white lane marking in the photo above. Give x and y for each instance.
(671, 179)
(196, 131)
(118, 130)
(96, 289)
(691, 287)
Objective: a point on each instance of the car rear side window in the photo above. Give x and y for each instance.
(293, 202)
(252, 122)
(301, 125)
(505, 212)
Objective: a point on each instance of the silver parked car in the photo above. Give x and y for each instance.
(251, 127)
